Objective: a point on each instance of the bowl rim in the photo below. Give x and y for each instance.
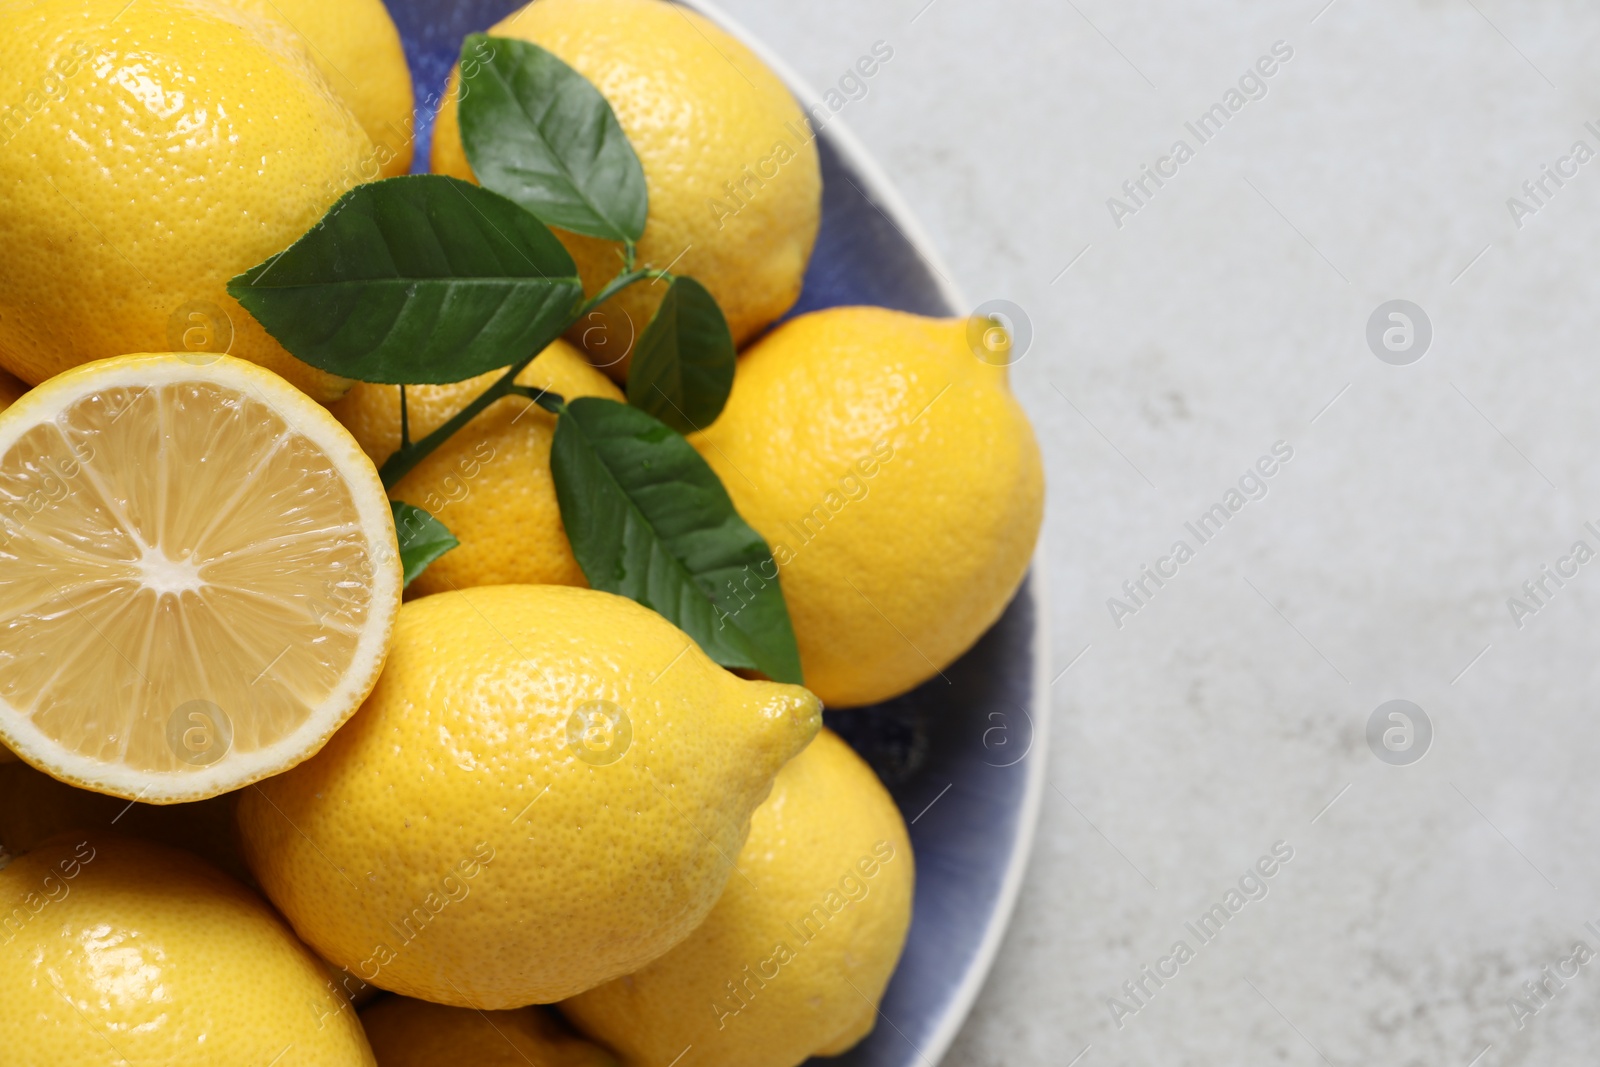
(887, 198)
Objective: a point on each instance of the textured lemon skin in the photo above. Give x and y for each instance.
(699, 108)
(34, 808)
(307, 418)
(414, 1033)
(454, 802)
(898, 483)
(172, 148)
(490, 483)
(149, 955)
(808, 937)
(356, 47)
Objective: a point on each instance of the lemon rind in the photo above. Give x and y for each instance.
(302, 415)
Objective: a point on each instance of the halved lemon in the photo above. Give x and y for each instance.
(198, 576)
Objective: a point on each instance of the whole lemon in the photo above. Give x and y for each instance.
(416, 1033)
(730, 163)
(116, 951)
(794, 958)
(489, 483)
(898, 483)
(157, 150)
(355, 44)
(544, 791)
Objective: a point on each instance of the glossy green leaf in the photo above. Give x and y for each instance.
(414, 280)
(682, 367)
(423, 538)
(649, 520)
(537, 131)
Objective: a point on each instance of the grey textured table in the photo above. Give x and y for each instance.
(1181, 329)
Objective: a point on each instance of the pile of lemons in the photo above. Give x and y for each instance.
(256, 806)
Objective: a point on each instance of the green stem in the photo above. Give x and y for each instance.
(408, 456)
(554, 403)
(412, 452)
(616, 285)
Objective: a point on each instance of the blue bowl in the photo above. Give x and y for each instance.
(963, 755)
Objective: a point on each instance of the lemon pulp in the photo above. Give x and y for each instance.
(198, 576)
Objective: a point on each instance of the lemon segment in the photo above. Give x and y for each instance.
(201, 576)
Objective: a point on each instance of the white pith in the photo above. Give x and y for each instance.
(175, 579)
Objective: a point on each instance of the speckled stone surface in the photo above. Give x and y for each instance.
(1226, 313)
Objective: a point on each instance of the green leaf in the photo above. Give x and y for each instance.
(682, 367)
(649, 520)
(415, 280)
(538, 132)
(423, 538)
